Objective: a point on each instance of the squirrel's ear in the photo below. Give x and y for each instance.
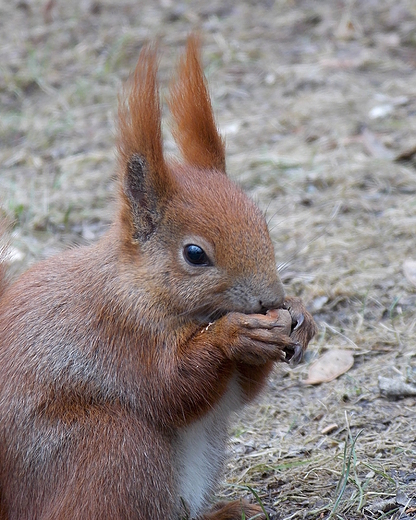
(145, 180)
(195, 130)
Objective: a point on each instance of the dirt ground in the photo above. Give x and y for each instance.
(317, 100)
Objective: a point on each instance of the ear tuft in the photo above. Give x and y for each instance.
(195, 130)
(139, 115)
(145, 180)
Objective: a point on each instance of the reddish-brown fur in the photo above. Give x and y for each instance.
(109, 353)
(195, 119)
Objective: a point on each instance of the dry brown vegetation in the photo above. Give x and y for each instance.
(317, 100)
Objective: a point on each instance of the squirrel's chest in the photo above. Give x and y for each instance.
(200, 451)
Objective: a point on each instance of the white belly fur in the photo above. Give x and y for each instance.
(200, 451)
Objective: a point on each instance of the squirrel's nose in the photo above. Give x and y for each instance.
(272, 298)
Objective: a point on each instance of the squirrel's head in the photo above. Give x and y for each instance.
(199, 244)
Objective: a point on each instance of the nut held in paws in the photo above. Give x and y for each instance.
(282, 317)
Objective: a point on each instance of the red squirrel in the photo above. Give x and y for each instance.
(121, 362)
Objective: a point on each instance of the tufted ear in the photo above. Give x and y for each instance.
(145, 180)
(195, 130)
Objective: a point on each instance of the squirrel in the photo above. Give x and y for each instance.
(121, 362)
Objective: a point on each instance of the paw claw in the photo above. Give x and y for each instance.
(299, 321)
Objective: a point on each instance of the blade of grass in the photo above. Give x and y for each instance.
(346, 468)
(258, 499)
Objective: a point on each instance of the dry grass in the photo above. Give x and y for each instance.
(318, 103)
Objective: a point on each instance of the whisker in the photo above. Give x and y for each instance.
(298, 252)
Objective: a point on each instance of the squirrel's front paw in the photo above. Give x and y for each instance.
(255, 339)
(303, 326)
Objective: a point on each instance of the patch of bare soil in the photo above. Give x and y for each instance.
(317, 100)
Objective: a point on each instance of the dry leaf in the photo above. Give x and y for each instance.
(329, 366)
(409, 269)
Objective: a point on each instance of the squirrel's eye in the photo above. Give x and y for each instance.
(195, 255)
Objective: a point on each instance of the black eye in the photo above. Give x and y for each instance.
(195, 255)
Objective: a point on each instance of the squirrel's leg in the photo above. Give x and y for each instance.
(234, 511)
